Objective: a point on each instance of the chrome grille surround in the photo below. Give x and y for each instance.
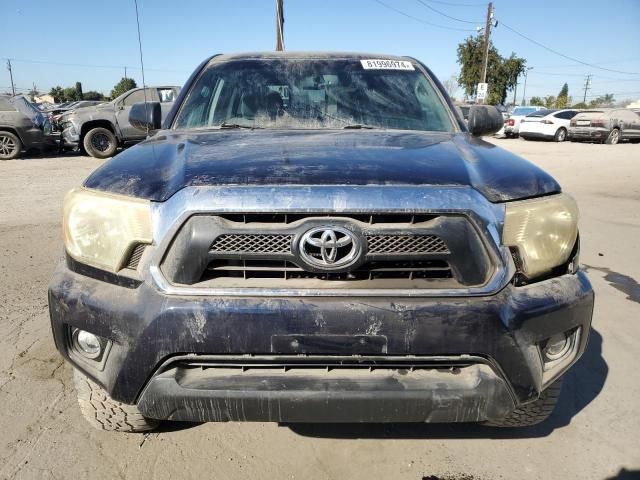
(296, 200)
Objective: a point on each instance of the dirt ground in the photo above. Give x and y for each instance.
(594, 433)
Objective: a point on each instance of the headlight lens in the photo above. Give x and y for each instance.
(544, 231)
(101, 229)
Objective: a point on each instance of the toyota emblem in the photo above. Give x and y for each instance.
(329, 248)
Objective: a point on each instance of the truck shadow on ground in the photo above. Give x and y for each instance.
(582, 384)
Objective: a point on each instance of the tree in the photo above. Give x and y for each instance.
(549, 101)
(563, 97)
(451, 85)
(581, 105)
(57, 93)
(536, 102)
(93, 95)
(70, 94)
(502, 73)
(79, 95)
(124, 85)
(605, 100)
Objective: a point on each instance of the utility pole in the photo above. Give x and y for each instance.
(125, 73)
(587, 86)
(485, 47)
(524, 90)
(13, 88)
(515, 90)
(279, 26)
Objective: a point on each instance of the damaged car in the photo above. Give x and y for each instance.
(23, 128)
(318, 238)
(605, 125)
(100, 130)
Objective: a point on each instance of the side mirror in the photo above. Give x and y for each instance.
(146, 116)
(484, 120)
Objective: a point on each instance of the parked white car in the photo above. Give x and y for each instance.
(547, 125)
(512, 124)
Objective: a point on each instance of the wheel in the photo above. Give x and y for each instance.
(561, 135)
(104, 413)
(100, 143)
(10, 146)
(613, 138)
(534, 412)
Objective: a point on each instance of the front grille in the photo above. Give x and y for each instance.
(268, 251)
(285, 270)
(378, 244)
(405, 244)
(252, 243)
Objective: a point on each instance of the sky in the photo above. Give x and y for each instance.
(52, 43)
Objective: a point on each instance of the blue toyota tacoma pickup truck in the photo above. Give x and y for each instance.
(318, 238)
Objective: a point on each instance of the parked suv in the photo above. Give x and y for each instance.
(547, 125)
(606, 125)
(512, 124)
(22, 127)
(318, 238)
(101, 129)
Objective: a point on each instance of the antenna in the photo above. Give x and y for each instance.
(279, 26)
(144, 85)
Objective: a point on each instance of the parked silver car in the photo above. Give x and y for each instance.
(605, 125)
(101, 129)
(22, 127)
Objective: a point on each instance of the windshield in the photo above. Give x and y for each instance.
(312, 94)
(541, 113)
(523, 110)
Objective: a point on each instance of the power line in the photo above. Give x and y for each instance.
(597, 77)
(562, 54)
(445, 15)
(421, 20)
(612, 62)
(451, 4)
(85, 65)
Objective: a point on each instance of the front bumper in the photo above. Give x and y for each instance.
(149, 333)
(70, 135)
(345, 392)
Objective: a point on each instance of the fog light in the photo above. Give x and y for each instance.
(87, 344)
(557, 347)
(558, 353)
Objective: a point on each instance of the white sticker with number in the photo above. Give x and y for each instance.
(378, 64)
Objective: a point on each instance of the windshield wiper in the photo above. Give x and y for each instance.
(225, 125)
(358, 126)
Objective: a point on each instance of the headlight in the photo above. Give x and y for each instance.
(101, 229)
(543, 230)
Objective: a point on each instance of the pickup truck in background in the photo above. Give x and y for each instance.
(101, 129)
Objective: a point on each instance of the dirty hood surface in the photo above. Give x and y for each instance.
(168, 162)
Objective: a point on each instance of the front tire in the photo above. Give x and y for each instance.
(561, 135)
(105, 413)
(613, 138)
(100, 143)
(10, 146)
(534, 412)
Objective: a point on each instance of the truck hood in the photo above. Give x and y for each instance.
(170, 161)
